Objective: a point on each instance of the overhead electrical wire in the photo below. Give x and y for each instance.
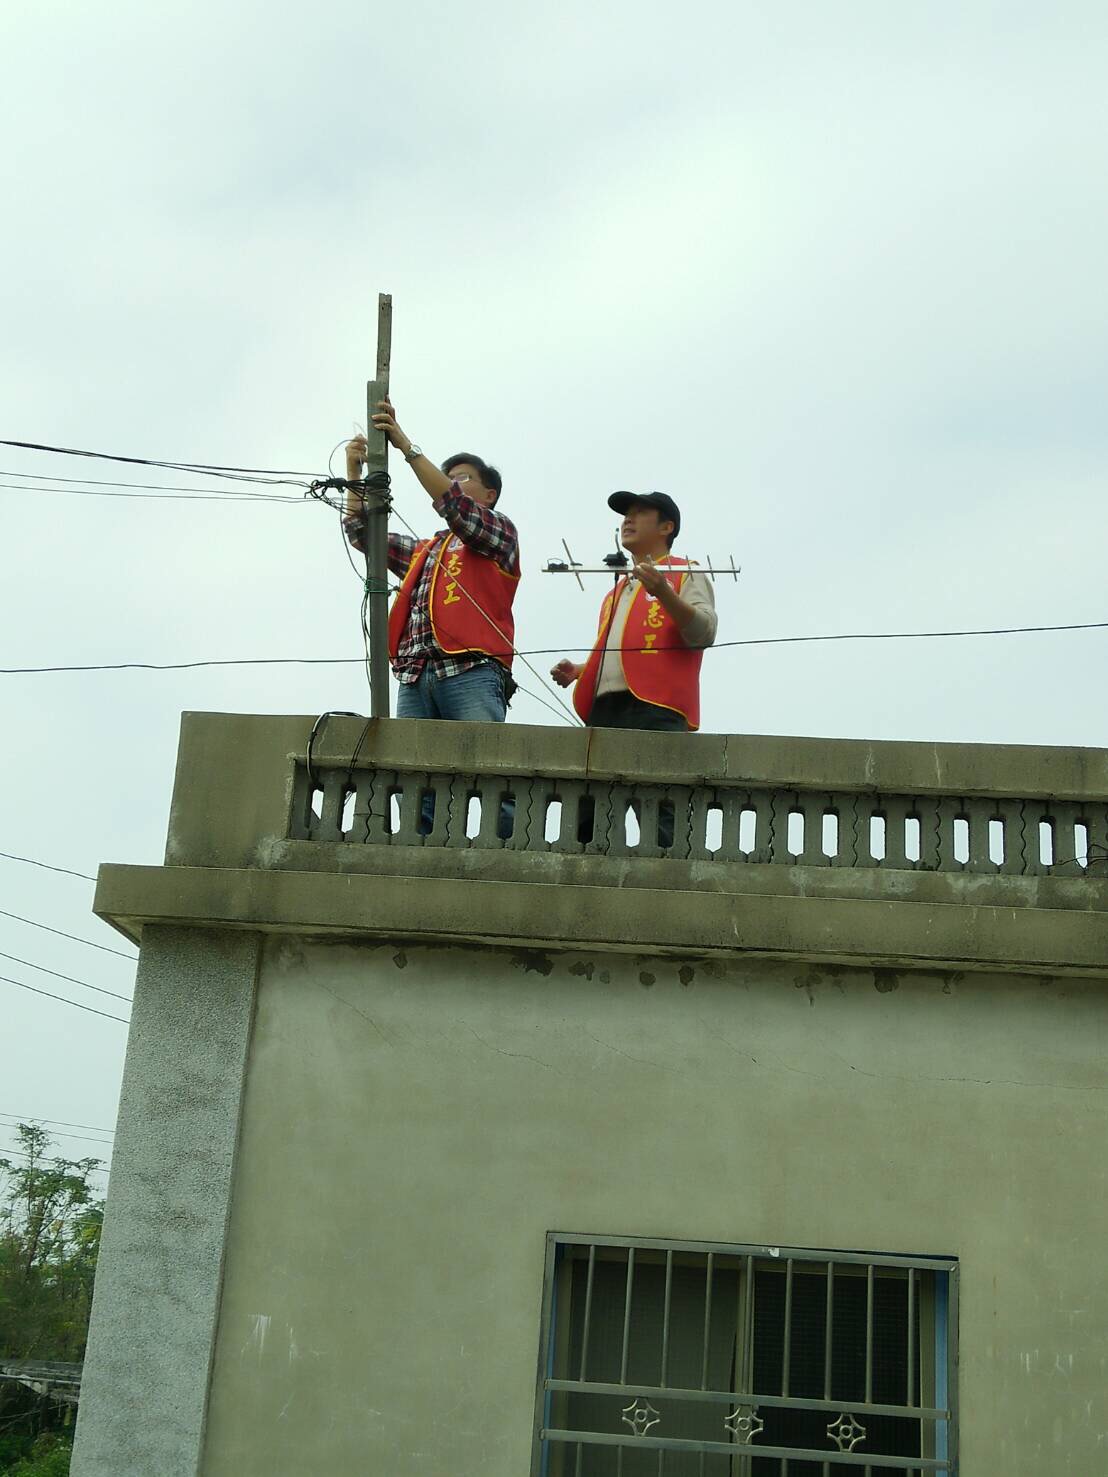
(314, 488)
(207, 469)
(22, 1154)
(64, 1122)
(264, 661)
(9, 856)
(28, 964)
(55, 1134)
(150, 486)
(166, 497)
(64, 1001)
(131, 958)
(324, 661)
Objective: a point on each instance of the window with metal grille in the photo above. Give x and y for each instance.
(689, 1359)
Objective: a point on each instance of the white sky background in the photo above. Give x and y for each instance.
(830, 274)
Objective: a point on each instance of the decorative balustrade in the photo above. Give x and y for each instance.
(977, 857)
(712, 821)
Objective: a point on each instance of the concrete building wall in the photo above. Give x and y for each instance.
(416, 1119)
(145, 1385)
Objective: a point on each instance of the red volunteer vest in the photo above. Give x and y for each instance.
(657, 665)
(471, 602)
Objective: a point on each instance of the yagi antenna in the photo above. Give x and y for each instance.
(618, 562)
(573, 565)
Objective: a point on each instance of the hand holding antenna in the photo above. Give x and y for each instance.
(650, 577)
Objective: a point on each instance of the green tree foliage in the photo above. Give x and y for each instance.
(50, 1219)
(48, 1456)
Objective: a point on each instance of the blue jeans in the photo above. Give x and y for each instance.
(476, 696)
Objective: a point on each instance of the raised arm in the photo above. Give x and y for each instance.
(433, 482)
(481, 528)
(694, 610)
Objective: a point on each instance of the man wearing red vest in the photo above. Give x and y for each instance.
(451, 631)
(644, 671)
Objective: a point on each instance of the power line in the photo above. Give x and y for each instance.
(76, 1006)
(24, 1155)
(325, 661)
(264, 661)
(168, 497)
(54, 1134)
(11, 857)
(146, 486)
(34, 1118)
(209, 469)
(62, 934)
(67, 977)
(848, 636)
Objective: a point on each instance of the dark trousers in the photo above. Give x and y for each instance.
(622, 710)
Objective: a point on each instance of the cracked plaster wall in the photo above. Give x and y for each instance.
(417, 1119)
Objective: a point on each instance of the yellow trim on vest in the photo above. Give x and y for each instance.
(685, 570)
(461, 650)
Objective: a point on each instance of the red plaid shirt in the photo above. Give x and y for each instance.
(481, 529)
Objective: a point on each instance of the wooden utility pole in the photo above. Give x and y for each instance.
(377, 519)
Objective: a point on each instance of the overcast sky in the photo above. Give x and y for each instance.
(833, 275)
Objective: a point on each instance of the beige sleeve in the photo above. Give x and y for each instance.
(697, 592)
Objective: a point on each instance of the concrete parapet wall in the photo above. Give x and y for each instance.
(261, 840)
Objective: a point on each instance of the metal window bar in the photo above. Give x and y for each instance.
(585, 1340)
(786, 1352)
(626, 1339)
(667, 1302)
(828, 1341)
(891, 1288)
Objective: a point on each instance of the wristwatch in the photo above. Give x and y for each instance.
(412, 452)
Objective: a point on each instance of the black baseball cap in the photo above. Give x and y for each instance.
(619, 502)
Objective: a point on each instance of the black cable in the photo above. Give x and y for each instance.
(22, 1153)
(34, 1118)
(1090, 859)
(213, 469)
(165, 497)
(75, 1004)
(146, 486)
(11, 857)
(317, 728)
(131, 958)
(54, 1134)
(324, 661)
(264, 661)
(358, 749)
(29, 964)
(379, 482)
(845, 636)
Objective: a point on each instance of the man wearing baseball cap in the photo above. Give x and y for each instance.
(644, 671)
